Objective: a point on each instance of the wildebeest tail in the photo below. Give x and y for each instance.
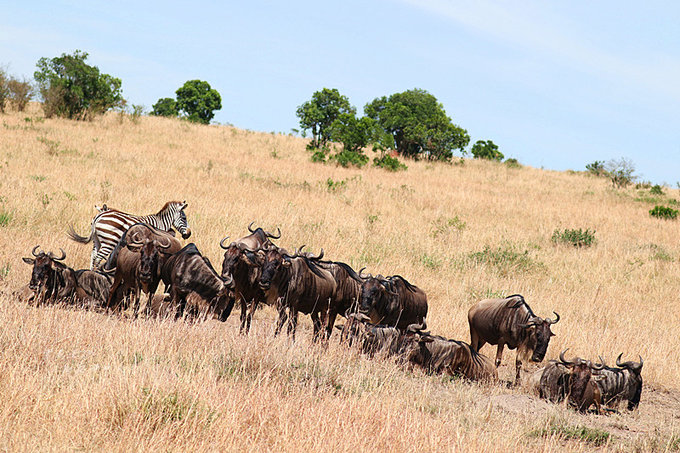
(71, 233)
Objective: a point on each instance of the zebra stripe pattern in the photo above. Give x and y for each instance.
(109, 226)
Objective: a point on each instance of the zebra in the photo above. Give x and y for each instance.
(109, 225)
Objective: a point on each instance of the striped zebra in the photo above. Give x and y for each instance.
(110, 224)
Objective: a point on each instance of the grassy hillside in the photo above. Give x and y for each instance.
(71, 379)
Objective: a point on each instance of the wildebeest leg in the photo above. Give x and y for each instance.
(251, 309)
(475, 342)
(330, 322)
(282, 319)
(318, 328)
(499, 353)
(518, 368)
(292, 322)
(244, 314)
(114, 294)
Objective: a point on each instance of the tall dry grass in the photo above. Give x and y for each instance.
(71, 379)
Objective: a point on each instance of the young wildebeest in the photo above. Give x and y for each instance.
(392, 301)
(136, 263)
(372, 339)
(52, 280)
(240, 264)
(298, 285)
(510, 322)
(571, 380)
(439, 355)
(188, 271)
(621, 384)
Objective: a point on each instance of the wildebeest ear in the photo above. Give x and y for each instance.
(30, 261)
(184, 204)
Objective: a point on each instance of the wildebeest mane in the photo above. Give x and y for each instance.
(391, 281)
(351, 272)
(312, 266)
(521, 302)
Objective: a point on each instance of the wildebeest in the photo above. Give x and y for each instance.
(240, 263)
(297, 284)
(136, 263)
(189, 271)
(510, 322)
(437, 355)
(571, 380)
(371, 338)
(392, 301)
(52, 280)
(621, 384)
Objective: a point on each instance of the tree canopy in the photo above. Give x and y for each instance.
(418, 125)
(73, 89)
(197, 101)
(486, 149)
(319, 113)
(165, 107)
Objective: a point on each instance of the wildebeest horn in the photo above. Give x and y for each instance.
(565, 361)
(312, 257)
(135, 239)
(361, 273)
(598, 366)
(63, 255)
(360, 317)
(417, 328)
(557, 318)
(632, 365)
(275, 237)
(299, 251)
(164, 246)
(222, 242)
(34, 249)
(250, 227)
(229, 281)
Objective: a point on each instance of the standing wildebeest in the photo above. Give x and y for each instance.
(188, 271)
(240, 263)
(297, 284)
(622, 383)
(510, 322)
(137, 262)
(436, 354)
(392, 301)
(52, 280)
(571, 380)
(371, 338)
(109, 225)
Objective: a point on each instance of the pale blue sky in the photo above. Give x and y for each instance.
(554, 84)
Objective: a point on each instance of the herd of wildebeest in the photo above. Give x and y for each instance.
(384, 315)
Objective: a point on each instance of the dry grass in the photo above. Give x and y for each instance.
(72, 379)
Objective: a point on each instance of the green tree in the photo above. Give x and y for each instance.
(198, 101)
(418, 125)
(486, 149)
(73, 89)
(319, 113)
(165, 107)
(20, 93)
(4, 89)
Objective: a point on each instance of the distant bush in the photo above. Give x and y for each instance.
(389, 163)
(165, 107)
(656, 190)
(664, 212)
(486, 149)
(4, 89)
(577, 238)
(20, 93)
(347, 158)
(596, 168)
(620, 172)
(512, 163)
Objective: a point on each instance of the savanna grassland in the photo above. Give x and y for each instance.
(72, 379)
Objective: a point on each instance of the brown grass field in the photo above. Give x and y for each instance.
(80, 380)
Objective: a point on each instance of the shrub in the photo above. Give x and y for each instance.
(486, 150)
(165, 107)
(512, 163)
(596, 168)
(4, 89)
(577, 238)
(20, 92)
(621, 172)
(346, 158)
(664, 212)
(656, 190)
(389, 163)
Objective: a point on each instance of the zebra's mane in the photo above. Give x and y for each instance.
(167, 206)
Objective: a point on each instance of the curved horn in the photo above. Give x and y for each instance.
(361, 273)
(63, 255)
(632, 365)
(598, 366)
(416, 328)
(312, 257)
(618, 360)
(275, 237)
(360, 317)
(250, 227)
(34, 249)
(166, 245)
(557, 318)
(222, 243)
(298, 252)
(565, 361)
(229, 281)
(135, 239)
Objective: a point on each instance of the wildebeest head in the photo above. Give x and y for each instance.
(44, 265)
(180, 221)
(634, 383)
(538, 335)
(149, 256)
(235, 253)
(274, 266)
(375, 292)
(579, 377)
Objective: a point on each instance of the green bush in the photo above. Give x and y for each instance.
(389, 163)
(486, 149)
(346, 158)
(506, 259)
(656, 190)
(512, 163)
(664, 212)
(577, 238)
(596, 168)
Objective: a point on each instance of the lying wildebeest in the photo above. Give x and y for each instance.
(52, 280)
(510, 322)
(240, 263)
(371, 338)
(437, 355)
(188, 271)
(622, 383)
(136, 264)
(297, 284)
(392, 301)
(571, 380)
